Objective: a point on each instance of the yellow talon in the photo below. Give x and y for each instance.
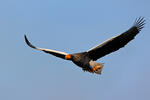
(68, 57)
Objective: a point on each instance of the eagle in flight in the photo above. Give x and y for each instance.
(86, 60)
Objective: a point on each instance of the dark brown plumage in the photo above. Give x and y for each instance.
(85, 60)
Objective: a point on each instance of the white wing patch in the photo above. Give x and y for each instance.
(59, 52)
(42, 49)
(103, 43)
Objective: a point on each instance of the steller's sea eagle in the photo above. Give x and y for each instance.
(86, 60)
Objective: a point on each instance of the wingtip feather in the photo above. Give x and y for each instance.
(139, 23)
(28, 43)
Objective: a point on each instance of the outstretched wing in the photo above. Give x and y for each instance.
(53, 52)
(116, 42)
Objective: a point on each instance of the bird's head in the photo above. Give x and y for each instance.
(98, 68)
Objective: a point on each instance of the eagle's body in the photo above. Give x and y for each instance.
(80, 59)
(86, 60)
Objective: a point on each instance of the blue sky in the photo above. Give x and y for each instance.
(72, 26)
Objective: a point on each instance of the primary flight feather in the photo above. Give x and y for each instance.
(86, 60)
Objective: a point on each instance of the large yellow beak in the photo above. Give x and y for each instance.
(68, 57)
(98, 69)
